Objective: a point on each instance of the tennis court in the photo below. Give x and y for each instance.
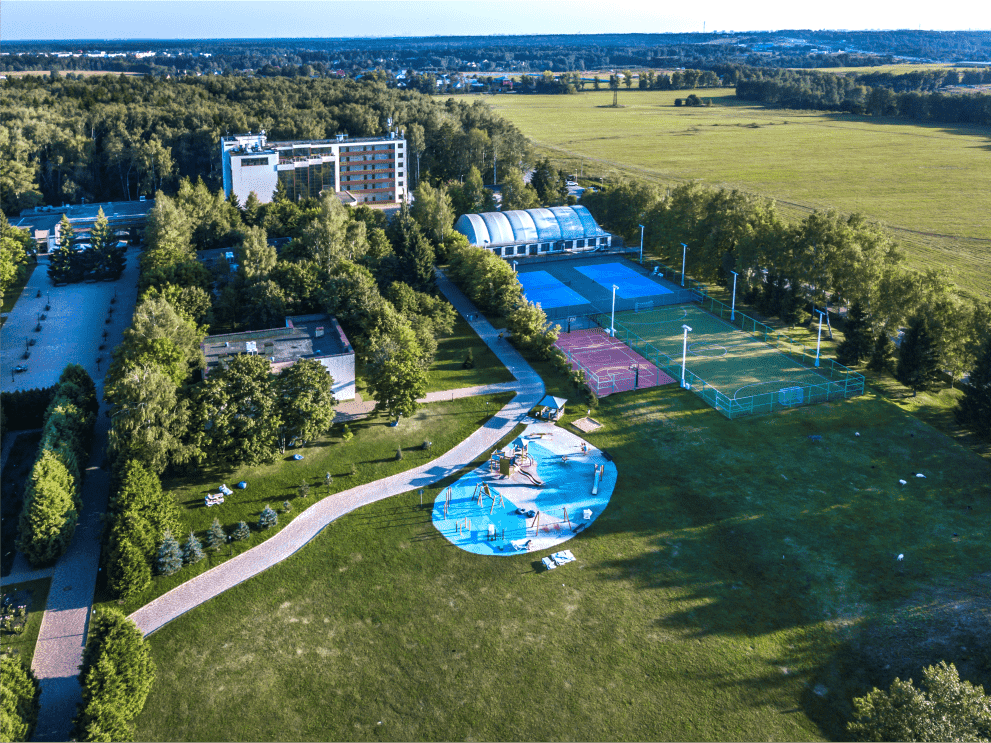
(737, 372)
(579, 286)
(609, 364)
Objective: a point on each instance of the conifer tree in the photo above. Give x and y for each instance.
(62, 263)
(857, 341)
(103, 247)
(215, 536)
(268, 518)
(241, 532)
(192, 550)
(19, 701)
(128, 571)
(918, 357)
(882, 354)
(48, 517)
(974, 408)
(169, 560)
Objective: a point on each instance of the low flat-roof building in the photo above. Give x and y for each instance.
(535, 232)
(318, 337)
(43, 221)
(361, 169)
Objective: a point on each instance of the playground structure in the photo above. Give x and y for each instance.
(541, 490)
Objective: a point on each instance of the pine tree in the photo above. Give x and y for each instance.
(128, 571)
(918, 357)
(48, 516)
(268, 518)
(857, 341)
(974, 408)
(169, 560)
(192, 550)
(62, 263)
(20, 700)
(241, 532)
(215, 536)
(882, 354)
(103, 247)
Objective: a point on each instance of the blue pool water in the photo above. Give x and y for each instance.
(566, 485)
(629, 283)
(543, 289)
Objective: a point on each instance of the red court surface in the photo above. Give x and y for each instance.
(607, 362)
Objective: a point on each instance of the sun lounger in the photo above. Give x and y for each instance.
(548, 563)
(563, 557)
(523, 545)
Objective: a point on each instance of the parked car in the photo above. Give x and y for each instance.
(20, 368)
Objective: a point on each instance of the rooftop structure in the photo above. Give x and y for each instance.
(318, 337)
(43, 221)
(534, 232)
(362, 170)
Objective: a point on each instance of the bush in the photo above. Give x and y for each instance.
(268, 518)
(304, 489)
(427, 445)
(20, 700)
(241, 532)
(192, 550)
(169, 559)
(346, 433)
(116, 675)
(399, 453)
(48, 516)
(286, 506)
(469, 362)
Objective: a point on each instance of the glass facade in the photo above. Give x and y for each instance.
(306, 181)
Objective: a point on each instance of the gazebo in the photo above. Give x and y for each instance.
(551, 408)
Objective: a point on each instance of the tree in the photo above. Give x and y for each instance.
(268, 518)
(192, 550)
(305, 401)
(48, 516)
(974, 408)
(256, 258)
(20, 694)
(128, 571)
(414, 253)
(64, 261)
(215, 536)
(116, 675)
(433, 211)
(882, 354)
(103, 248)
(548, 183)
(918, 357)
(159, 335)
(527, 325)
(396, 378)
(253, 212)
(515, 193)
(241, 532)
(324, 239)
(15, 245)
(139, 493)
(946, 708)
(264, 305)
(239, 420)
(858, 340)
(169, 559)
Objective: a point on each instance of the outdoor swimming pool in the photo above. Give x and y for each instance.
(562, 501)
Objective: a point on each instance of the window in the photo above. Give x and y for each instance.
(247, 162)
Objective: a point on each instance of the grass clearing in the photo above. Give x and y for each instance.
(928, 182)
(372, 451)
(447, 373)
(14, 291)
(33, 594)
(16, 471)
(728, 592)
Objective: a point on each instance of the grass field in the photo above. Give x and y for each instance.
(446, 373)
(930, 183)
(372, 452)
(13, 292)
(33, 594)
(741, 585)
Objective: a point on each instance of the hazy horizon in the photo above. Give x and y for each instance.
(164, 20)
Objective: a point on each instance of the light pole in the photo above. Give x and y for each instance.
(636, 380)
(732, 311)
(684, 251)
(514, 266)
(819, 339)
(612, 323)
(641, 245)
(684, 354)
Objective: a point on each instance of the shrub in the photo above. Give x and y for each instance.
(169, 559)
(241, 532)
(304, 489)
(48, 516)
(353, 471)
(286, 506)
(20, 700)
(268, 518)
(427, 445)
(192, 550)
(346, 433)
(116, 675)
(469, 362)
(215, 536)
(399, 453)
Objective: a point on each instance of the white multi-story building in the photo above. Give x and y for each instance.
(367, 169)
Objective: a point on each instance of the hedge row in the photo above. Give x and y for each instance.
(24, 409)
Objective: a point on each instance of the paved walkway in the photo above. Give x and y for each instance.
(309, 523)
(356, 409)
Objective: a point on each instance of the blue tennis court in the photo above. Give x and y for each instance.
(543, 289)
(629, 283)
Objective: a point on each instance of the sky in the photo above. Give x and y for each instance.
(198, 19)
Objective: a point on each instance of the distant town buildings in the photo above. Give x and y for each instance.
(362, 170)
(44, 222)
(317, 337)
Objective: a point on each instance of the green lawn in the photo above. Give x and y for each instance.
(446, 373)
(742, 584)
(13, 292)
(372, 451)
(33, 593)
(928, 182)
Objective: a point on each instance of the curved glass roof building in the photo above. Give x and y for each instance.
(529, 226)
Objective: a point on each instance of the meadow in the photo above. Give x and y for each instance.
(929, 183)
(732, 590)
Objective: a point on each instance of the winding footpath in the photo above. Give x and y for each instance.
(529, 388)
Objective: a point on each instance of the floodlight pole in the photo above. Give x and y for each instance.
(612, 323)
(732, 311)
(641, 245)
(819, 339)
(684, 354)
(514, 266)
(684, 251)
